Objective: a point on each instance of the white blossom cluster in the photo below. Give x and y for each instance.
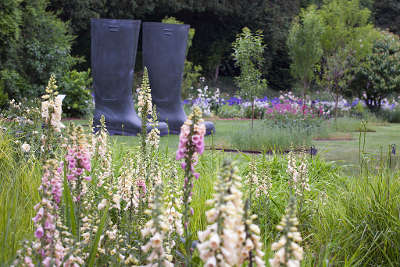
(157, 228)
(102, 154)
(127, 189)
(145, 106)
(288, 252)
(52, 106)
(206, 99)
(252, 246)
(203, 101)
(225, 241)
(298, 174)
(173, 206)
(258, 180)
(107, 194)
(153, 138)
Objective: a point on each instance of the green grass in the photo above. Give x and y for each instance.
(19, 182)
(347, 221)
(345, 152)
(358, 222)
(345, 124)
(265, 138)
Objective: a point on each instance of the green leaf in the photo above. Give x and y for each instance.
(69, 205)
(96, 241)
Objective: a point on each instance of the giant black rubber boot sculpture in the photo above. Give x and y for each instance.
(164, 52)
(114, 45)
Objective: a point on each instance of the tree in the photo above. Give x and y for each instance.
(348, 34)
(378, 75)
(10, 21)
(248, 54)
(336, 68)
(305, 46)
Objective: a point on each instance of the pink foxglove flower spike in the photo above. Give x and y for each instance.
(191, 145)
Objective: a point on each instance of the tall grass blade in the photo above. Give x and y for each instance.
(96, 241)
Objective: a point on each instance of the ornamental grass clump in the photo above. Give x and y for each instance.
(231, 239)
(47, 248)
(191, 145)
(288, 252)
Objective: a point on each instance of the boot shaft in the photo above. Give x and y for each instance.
(114, 45)
(113, 54)
(164, 53)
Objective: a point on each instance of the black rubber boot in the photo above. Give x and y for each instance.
(114, 45)
(164, 52)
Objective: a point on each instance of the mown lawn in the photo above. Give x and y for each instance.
(344, 152)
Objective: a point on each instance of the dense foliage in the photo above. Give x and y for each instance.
(33, 44)
(304, 45)
(378, 76)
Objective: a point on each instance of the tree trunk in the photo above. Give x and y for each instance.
(336, 101)
(252, 114)
(216, 74)
(305, 88)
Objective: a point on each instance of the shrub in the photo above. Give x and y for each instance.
(75, 85)
(14, 84)
(3, 96)
(227, 111)
(38, 44)
(392, 116)
(258, 112)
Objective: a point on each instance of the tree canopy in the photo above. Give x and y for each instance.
(378, 75)
(304, 44)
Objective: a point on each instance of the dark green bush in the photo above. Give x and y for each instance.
(392, 116)
(14, 84)
(3, 96)
(36, 44)
(75, 85)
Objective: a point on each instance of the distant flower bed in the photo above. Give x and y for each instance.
(286, 104)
